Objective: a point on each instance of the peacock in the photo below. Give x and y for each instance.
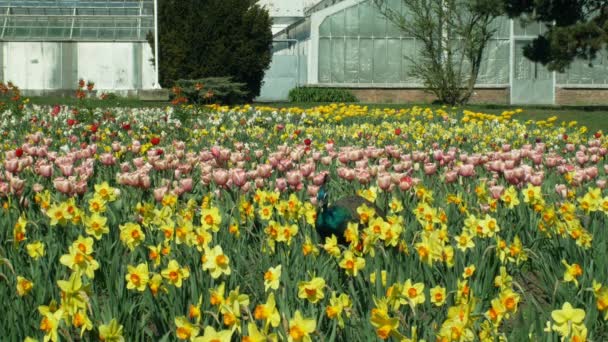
(333, 219)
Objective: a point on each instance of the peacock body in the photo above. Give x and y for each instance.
(333, 219)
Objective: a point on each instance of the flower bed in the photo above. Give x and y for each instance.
(198, 223)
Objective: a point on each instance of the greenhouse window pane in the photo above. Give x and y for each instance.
(366, 19)
(380, 65)
(395, 58)
(380, 24)
(410, 50)
(392, 29)
(337, 24)
(325, 28)
(366, 48)
(337, 61)
(352, 21)
(351, 64)
(324, 60)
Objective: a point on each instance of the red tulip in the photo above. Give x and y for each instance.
(18, 152)
(155, 141)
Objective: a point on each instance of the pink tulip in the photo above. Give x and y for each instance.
(107, 159)
(451, 176)
(186, 184)
(239, 177)
(45, 170)
(159, 193)
(497, 191)
(591, 172)
(220, 177)
(430, 168)
(294, 178)
(466, 170)
(62, 185)
(281, 184)
(384, 181)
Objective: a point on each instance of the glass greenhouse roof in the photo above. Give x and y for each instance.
(80, 20)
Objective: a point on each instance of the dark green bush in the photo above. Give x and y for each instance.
(214, 38)
(312, 94)
(213, 90)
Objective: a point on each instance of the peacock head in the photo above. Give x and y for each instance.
(322, 196)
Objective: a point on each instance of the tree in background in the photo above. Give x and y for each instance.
(453, 34)
(575, 29)
(214, 38)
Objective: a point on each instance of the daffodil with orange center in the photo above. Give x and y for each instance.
(105, 191)
(438, 295)
(96, 225)
(175, 274)
(300, 328)
(272, 278)
(50, 323)
(216, 262)
(184, 330)
(309, 248)
(286, 233)
(385, 325)
(255, 335)
(337, 306)
(80, 262)
(211, 219)
(131, 235)
(573, 272)
(97, 205)
(212, 335)
(36, 250)
(351, 263)
(137, 277)
(268, 312)
(366, 214)
(24, 286)
(311, 290)
(19, 231)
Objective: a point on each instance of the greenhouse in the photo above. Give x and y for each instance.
(350, 44)
(46, 46)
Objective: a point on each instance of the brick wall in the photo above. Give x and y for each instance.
(581, 96)
(413, 95)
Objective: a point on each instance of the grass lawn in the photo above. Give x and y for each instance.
(594, 117)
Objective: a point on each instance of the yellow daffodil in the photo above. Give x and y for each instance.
(572, 272)
(36, 249)
(216, 262)
(111, 332)
(311, 290)
(175, 274)
(268, 312)
(137, 277)
(211, 335)
(24, 286)
(105, 192)
(438, 295)
(211, 219)
(184, 329)
(300, 328)
(272, 277)
(351, 263)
